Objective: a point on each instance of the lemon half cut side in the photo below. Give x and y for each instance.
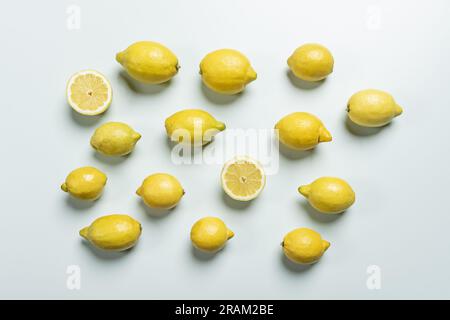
(243, 178)
(89, 92)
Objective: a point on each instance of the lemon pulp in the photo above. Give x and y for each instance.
(89, 92)
(243, 178)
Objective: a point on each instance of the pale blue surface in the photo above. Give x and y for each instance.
(400, 174)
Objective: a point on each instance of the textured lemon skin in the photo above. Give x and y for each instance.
(210, 234)
(116, 232)
(114, 139)
(192, 126)
(304, 246)
(372, 108)
(149, 62)
(85, 183)
(161, 191)
(226, 71)
(302, 131)
(311, 62)
(329, 194)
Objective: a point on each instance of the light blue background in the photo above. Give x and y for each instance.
(400, 173)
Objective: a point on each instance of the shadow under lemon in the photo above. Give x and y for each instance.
(140, 87)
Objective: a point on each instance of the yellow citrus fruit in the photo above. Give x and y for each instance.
(302, 131)
(149, 62)
(85, 183)
(243, 178)
(116, 232)
(372, 108)
(89, 92)
(226, 71)
(114, 139)
(210, 234)
(304, 246)
(311, 62)
(192, 126)
(329, 194)
(161, 191)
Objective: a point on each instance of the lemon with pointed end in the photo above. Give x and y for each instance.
(89, 92)
(243, 178)
(149, 62)
(192, 126)
(226, 71)
(210, 234)
(161, 191)
(85, 183)
(114, 139)
(302, 131)
(329, 194)
(372, 108)
(304, 246)
(311, 62)
(116, 232)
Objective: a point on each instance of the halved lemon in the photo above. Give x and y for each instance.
(89, 92)
(243, 178)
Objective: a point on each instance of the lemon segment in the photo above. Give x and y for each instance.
(89, 92)
(243, 178)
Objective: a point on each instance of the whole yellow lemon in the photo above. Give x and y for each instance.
(226, 71)
(161, 191)
(372, 108)
(85, 183)
(116, 232)
(192, 126)
(114, 139)
(311, 62)
(304, 246)
(149, 62)
(210, 234)
(302, 131)
(329, 194)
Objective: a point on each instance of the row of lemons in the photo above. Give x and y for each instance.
(224, 71)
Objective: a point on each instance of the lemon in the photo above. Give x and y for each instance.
(302, 131)
(226, 71)
(161, 191)
(243, 178)
(329, 194)
(114, 139)
(372, 108)
(192, 126)
(89, 92)
(210, 234)
(149, 62)
(311, 62)
(304, 246)
(85, 183)
(116, 232)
